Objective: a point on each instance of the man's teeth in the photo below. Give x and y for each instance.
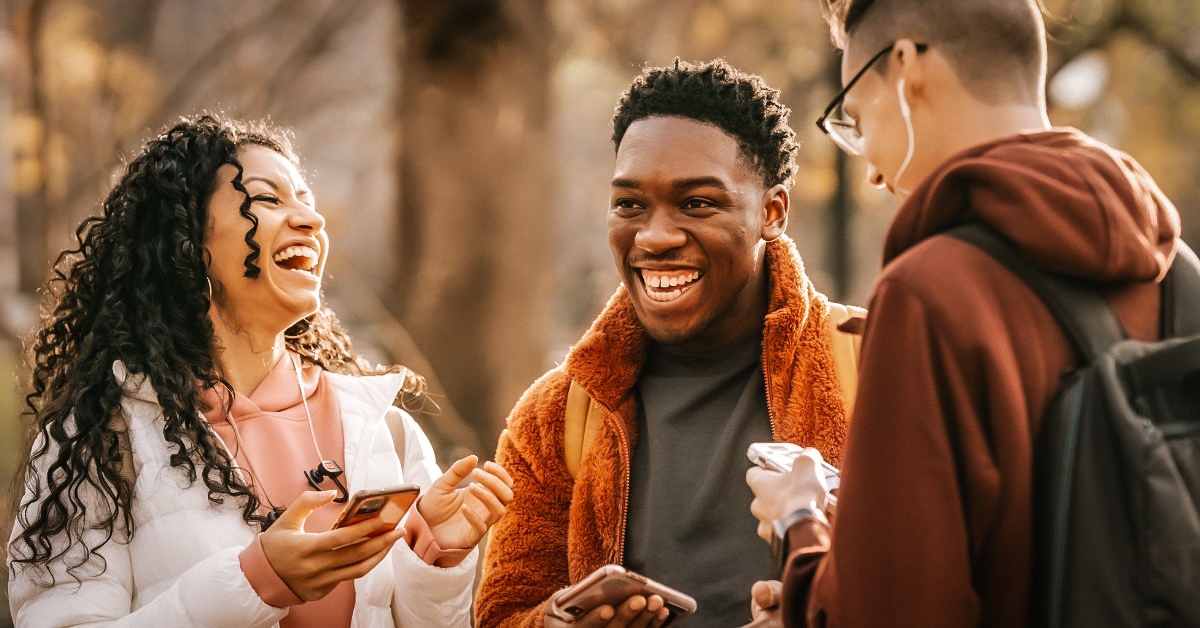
(662, 280)
(659, 284)
(665, 296)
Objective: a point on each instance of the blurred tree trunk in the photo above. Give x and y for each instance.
(35, 216)
(476, 214)
(16, 308)
(841, 208)
(9, 260)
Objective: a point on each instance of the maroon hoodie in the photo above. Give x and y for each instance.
(959, 362)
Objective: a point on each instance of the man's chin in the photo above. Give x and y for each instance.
(668, 332)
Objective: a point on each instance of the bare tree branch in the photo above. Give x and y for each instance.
(448, 426)
(324, 30)
(1172, 49)
(211, 61)
(1094, 37)
(1124, 18)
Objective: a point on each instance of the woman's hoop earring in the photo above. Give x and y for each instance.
(287, 336)
(209, 282)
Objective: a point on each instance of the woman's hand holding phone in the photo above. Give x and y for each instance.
(459, 517)
(312, 564)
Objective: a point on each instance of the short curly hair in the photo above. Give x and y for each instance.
(740, 104)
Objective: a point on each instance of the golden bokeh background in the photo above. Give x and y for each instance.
(460, 151)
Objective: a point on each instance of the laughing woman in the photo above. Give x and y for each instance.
(199, 417)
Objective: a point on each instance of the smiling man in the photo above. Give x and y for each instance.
(715, 340)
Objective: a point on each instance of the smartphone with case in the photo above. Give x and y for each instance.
(613, 584)
(391, 502)
(780, 456)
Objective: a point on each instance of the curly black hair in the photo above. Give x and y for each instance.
(740, 104)
(136, 289)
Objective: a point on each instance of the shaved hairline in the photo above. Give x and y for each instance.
(997, 48)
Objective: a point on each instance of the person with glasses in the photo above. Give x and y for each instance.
(959, 359)
(717, 339)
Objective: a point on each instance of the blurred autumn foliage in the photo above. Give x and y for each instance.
(460, 149)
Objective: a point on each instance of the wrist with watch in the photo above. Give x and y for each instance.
(780, 526)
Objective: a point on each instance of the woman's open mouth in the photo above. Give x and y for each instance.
(297, 257)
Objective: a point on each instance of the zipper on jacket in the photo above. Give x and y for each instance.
(625, 502)
(767, 385)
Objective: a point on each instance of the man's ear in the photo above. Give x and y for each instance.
(775, 212)
(908, 63)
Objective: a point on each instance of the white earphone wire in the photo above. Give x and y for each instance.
(907, 115)
(304, 400)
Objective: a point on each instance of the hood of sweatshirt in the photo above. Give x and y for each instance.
(1072, 206)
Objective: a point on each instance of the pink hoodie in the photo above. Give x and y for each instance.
(273, 443)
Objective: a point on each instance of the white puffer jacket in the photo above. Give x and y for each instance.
(181, 568)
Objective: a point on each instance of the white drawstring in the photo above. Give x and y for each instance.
(304, 400)
(237, 435)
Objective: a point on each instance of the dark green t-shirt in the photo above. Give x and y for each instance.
(689, 523)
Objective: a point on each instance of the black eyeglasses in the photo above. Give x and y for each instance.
(842, 131)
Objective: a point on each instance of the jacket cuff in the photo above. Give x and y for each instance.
(806, 535)
(263, 578)
(421, 540)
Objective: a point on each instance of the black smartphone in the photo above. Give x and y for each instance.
(613, 584)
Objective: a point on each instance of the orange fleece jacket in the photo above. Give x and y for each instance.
(558, 530)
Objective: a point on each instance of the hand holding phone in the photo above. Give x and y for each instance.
(389, 503)
(612, 585)
(307, 563)
(781, 456)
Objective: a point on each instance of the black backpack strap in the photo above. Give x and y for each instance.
(1086, 318)
(1166, 366)
(1180, 317)
(1181, 294)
